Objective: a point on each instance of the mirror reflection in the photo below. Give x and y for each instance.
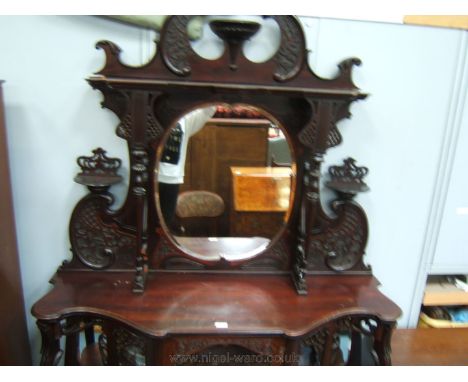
(225, 181)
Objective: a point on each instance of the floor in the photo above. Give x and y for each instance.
(441, 347)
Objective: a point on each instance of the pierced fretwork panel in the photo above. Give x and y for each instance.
(350, 341)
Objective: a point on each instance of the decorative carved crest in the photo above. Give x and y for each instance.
(99, 169)
(348, 178)
(348, 172)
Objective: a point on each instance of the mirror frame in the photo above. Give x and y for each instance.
(151, 98)
(278, 233)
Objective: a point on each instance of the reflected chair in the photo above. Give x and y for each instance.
(198, 212)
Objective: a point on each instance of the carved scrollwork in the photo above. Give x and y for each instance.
(317, 340)
(325, 340)
(120, 102)
(262, 346)
(363, 324)
(344, 324)
(341, 246)
(51, 353)
(94, 242)
(291, 53)
(340, 243)
(130, 348)
(175, 45)
(346, 67)
(71, 326)
(366, 326)
(309, 136)
(112, 52)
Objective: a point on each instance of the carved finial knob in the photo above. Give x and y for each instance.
(98, 170)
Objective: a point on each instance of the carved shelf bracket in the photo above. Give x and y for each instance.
(98, 172)
(96, 240)
(347, 180)
(340, 244)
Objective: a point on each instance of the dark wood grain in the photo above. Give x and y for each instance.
(149, 99)
(430, 347)
(186, 304)
(14, 343)
(192, 303)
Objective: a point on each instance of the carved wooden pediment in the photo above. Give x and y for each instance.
(149, 99)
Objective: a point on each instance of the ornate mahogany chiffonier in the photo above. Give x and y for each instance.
(140, 290)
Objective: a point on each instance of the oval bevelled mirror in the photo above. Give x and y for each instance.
(225, 180)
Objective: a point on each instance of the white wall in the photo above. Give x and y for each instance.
(53, 116)
(398, 132)
(451, 250)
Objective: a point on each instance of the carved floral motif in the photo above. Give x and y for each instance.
(175, 45)
(342, 245)
(95, 243)
(290, 56)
